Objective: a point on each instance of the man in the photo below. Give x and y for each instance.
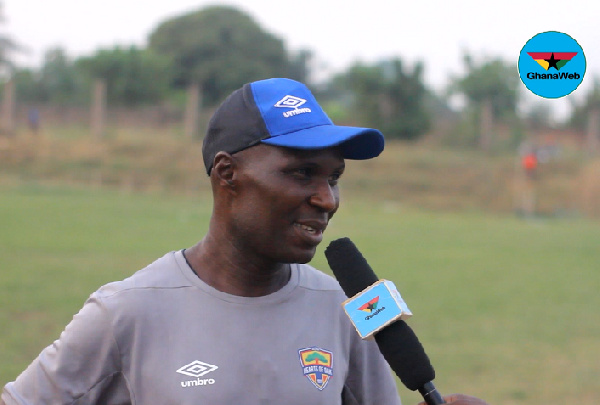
(237, 318)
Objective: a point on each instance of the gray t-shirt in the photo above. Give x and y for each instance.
(163, 336)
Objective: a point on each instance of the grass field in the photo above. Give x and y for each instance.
(507, 309)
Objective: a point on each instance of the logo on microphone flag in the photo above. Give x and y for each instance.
(317, 365)
(370, 306)
(376, 307)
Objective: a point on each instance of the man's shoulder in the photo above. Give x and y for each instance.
(163, 273)
(313, 279)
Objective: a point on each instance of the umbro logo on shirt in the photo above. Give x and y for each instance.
(292, 102)
(197, 369)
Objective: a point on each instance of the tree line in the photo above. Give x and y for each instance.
(219, 48)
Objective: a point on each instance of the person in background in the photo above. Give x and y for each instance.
(33, 120)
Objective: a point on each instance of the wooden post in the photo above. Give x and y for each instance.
(593, 131)
(486, 125)
(8, 108)
(192, 111)
(98, 110)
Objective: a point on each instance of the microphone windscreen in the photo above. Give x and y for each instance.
(397, 342)
(349, 266)
(405, 355)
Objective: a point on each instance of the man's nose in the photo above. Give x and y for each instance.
(326, 197)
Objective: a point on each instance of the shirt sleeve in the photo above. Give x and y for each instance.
(82, 367)
(370, 380)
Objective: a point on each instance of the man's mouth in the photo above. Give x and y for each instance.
(311, 231)
(307, 228)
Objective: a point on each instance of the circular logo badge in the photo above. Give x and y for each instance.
(552, 64)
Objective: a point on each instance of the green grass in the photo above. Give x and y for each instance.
(507, 309)
(58, 245)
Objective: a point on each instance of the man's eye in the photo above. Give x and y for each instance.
(303, 172)
(334, 178)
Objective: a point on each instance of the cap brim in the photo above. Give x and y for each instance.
(356, 143)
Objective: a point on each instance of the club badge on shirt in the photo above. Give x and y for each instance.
(317, 365)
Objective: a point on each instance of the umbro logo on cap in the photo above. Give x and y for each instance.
(292, 102)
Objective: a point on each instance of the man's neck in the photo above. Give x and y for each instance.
(226, 271)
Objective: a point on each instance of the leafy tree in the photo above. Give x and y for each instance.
(491, 81)
(7, 47)
(580, 111)
(299, 68)
(133, 76)
(28, 86)
(220, 48)
(389, 97)
(57, 81)
(491, 89)
(59, 78)
(539, 116)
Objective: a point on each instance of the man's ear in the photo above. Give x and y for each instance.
(223, 169)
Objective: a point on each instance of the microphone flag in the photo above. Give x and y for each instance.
(376, 307)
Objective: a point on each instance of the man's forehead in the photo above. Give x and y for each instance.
(300, 155)
(262, 154)
(308, 153)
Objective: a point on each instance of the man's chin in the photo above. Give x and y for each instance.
(302, 257)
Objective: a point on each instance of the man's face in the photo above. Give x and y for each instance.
(285, 198)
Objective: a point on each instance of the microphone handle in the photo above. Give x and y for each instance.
(431, 395)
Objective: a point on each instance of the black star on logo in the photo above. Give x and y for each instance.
(552, 62)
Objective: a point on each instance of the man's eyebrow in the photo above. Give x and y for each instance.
(339, 168)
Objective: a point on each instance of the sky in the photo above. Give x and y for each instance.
(339, 33)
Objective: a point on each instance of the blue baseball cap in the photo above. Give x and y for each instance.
(282, 112)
